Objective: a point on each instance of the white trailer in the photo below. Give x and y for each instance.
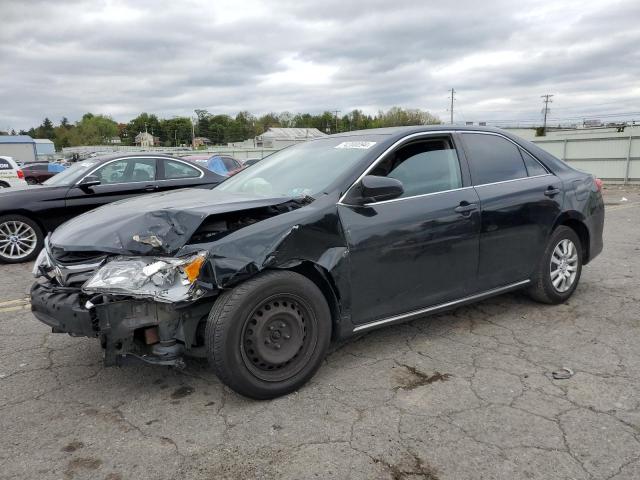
(21, 147)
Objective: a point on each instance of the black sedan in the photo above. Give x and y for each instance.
(320, 241)
(27, 214)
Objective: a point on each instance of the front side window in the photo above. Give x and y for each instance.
(493, 159)
(127, 170)
(173, 169)
(423, 167)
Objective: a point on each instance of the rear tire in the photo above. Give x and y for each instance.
(21, 239)
(268, 336)
(558, 272)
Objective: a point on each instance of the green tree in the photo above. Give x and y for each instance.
(95, 129)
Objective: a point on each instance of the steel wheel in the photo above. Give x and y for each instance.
(17, 239)
(564, 265)
(279, 337)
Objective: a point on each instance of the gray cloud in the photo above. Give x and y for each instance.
(121, 58)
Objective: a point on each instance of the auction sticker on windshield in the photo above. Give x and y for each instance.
(358, 145)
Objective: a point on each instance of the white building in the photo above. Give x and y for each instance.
(21, 147)
(278, 137)
(144, 139)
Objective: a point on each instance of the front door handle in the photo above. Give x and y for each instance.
(550, 192)
(150, 188)
(465, 208)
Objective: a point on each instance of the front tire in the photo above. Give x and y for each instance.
(268, 336)
(21, 239)
(558, 271)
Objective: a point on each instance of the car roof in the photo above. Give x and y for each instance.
(404, 131)
(113, 156)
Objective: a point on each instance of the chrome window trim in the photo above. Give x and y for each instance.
(422, 311)
(146, 181)
(423, 134)
(372, 204)
(513, 180)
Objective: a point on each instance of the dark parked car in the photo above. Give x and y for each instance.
(320, 241)
(26, 215)
(39, 172)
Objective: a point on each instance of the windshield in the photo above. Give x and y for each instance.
(304, 169)
(72, 174)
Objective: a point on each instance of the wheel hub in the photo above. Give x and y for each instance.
(17, 239)
(275, 334)
(564, 265)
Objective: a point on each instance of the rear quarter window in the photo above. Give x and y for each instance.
(493, 159)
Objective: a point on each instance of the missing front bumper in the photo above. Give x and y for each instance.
(121, 325)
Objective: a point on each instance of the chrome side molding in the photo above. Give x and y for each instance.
(440, 306)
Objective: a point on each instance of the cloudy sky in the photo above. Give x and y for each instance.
(64, 58)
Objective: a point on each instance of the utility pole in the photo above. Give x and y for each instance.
(193, 133)
(337, 112)
(453, 92)
(547, 100)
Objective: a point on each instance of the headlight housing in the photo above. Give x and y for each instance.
(165, 279)
(42, 261)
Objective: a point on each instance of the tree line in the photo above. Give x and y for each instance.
(220, 129)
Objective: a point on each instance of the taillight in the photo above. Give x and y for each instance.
(598, 183)
(20, 174)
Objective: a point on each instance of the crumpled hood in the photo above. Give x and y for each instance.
(155, 224)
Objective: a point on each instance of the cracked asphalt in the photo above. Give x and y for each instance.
(463, 395)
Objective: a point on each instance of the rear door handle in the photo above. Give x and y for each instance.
(150, 188)
(550, 192)
(465, 208)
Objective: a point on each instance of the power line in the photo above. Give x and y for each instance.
(547, 100)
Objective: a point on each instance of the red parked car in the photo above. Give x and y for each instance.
(38, 172)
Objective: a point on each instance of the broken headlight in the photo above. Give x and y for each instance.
(165, 279)
(42, 262)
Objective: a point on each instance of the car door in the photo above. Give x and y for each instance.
(520, 202)
(174, 174)
(420, 249)
(119, 179)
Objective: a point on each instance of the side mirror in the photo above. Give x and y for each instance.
(375, 189)
(90, 181)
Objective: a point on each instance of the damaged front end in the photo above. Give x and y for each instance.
(147, 308)
(144, 281)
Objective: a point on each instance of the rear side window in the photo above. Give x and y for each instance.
(5, 165)
(533, 166)
(423, 167)
(174, 170)
(493, 159)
